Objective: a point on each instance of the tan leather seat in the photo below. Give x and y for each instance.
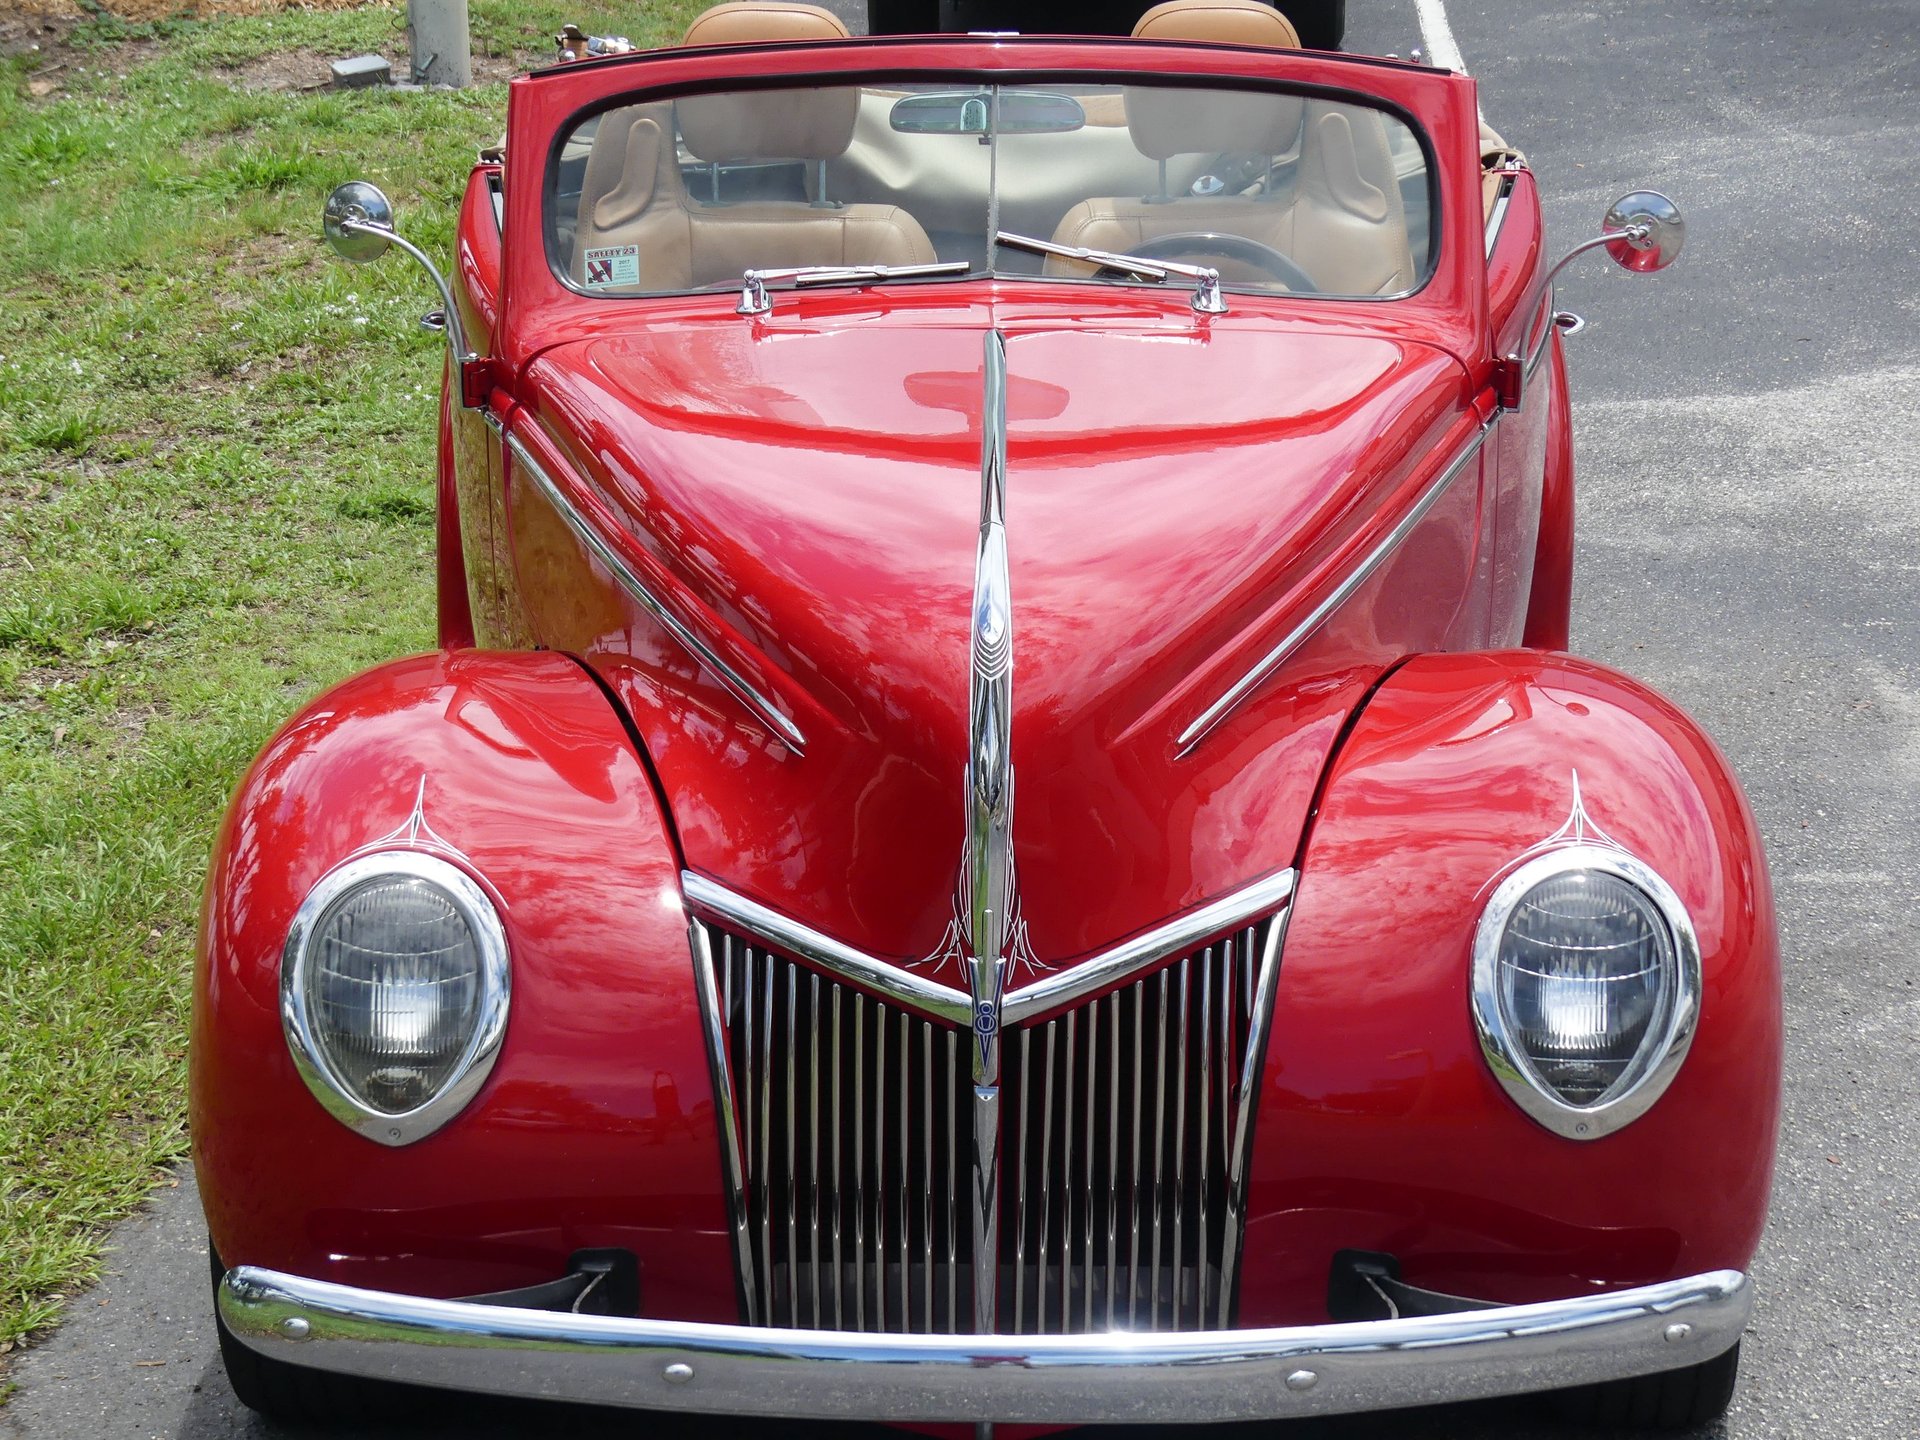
(1227, 22)
(633, 192)
(1341, 222)
(746, 22)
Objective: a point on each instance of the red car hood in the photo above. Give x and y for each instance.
(811, 498)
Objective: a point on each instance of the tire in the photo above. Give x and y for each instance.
(1672, 1400)
(291, 1392)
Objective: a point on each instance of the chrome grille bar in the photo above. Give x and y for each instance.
(1133, 1222)
(764, 1125)
(926, 1174)
(951, 1190)
(813, 1143)
(1180, 1147)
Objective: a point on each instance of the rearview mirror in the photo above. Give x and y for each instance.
(982, 112)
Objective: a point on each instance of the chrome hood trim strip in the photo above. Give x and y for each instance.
(760, 706)
(1176, 937)
(892, 980)
(1204, 723)
(886, 979)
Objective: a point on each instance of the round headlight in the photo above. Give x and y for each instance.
(1586, 988)
(394, 991)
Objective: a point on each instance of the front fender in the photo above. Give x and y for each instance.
(596, 1125)
(1379, 1124)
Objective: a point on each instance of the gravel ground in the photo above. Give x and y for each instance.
(1748, 426)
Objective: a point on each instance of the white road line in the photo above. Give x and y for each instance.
(1442, 49)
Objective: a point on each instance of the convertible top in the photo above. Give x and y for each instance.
(1320, 24)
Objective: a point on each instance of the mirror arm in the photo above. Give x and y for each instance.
(1510, 371)
(1635, 235)
(463, 356)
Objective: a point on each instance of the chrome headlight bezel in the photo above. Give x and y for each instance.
(1660, 1056)
(476, 1060)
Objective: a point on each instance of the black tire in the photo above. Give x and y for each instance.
(289, 1392)
(1673, 1400)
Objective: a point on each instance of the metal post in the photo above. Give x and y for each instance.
(441, 42)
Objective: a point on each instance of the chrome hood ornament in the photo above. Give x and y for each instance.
(987, 938)
(987, 895)
(987, 888)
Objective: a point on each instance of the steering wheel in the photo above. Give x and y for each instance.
(1189, 243)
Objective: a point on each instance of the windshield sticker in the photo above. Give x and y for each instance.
(613, 265)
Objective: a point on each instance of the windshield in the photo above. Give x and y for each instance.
(1278, 192)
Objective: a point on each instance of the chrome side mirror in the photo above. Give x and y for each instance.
(1643, 231)
(1646, 232)
(358, 222)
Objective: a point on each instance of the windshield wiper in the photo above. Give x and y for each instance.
(1206, 280)
(753, 283)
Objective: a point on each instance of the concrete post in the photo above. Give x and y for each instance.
(441, 43)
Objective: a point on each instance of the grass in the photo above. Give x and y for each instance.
(216, 458)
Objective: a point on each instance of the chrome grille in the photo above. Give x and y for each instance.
(852, 1128)
(853, 1131)
(1121, 1117)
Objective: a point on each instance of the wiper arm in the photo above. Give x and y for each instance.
(1206, 280)
(753, 283)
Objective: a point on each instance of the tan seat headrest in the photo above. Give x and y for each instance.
(1169, 122)
(1225, 22)
(768, 124)
(811, 124)
(1166, 123)
(746, 22)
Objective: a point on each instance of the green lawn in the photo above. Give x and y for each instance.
(216, 453)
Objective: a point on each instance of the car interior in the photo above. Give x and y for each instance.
(1276, 191)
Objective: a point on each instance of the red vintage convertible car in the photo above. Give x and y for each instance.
(663, 995)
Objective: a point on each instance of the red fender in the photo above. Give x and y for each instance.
(596, 1125)
(1380, 1126)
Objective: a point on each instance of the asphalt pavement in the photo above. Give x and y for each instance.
(1748, 427)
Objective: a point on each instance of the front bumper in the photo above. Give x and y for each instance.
(1041, 1379)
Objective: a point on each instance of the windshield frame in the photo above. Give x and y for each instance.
(1001, 78)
